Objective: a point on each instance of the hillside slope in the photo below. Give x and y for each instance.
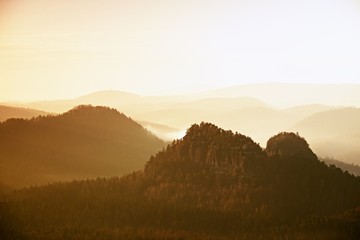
(292, 94)
(7, 112)
(82, 143)
(212, 184)
(334, 133)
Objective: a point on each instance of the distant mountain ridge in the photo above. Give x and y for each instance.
(276, 94)
(286, 95)
(82, 143)
(334, 133)
(109, 98)
(7, 112)
(308, 110)
(258, 110)
(332, 122)
(351, 168)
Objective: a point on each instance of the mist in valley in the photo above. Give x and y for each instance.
(179, 120)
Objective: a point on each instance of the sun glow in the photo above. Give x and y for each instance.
(71, 48)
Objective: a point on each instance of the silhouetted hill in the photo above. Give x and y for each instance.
(7, 112)
(206, 146)
(278, 95)
(258, 110)
(220, 104)
(210, 155)
(211, 184)
(293, 94)
(343, 121)
(82, 143)
(289, 146)
(351, 168)
(239, 108)
(304, 111)
(129, 103)
(334, 133)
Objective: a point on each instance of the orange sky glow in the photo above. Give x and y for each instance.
(63, 49)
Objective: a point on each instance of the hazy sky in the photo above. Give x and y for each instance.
(66, 48)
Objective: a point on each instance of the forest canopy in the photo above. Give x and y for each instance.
(212, 184)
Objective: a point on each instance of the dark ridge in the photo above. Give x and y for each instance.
(7, 112)
(84, 142)
(207, 146)
(288, 145)
(212, 184)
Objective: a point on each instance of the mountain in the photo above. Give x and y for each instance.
(304, 111)
(220, 104)
(287, 175)
(128, 102)
(334, 133)
(205, 146)
(258, 110)
(109, 98)
(101, 98)
(351, 168)
(84, 142)
(343, 121)
(285, 95)
(135, 104)
(211, 184)
(243, 114)
(261, 122)
(278, 95)
(7, 112)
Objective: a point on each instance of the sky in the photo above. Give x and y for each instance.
(64, 49)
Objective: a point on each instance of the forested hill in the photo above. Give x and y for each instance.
(212, 184)
(207, 145)
(85, 142)
(285, 180)
(232, 154)
(7, 112)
